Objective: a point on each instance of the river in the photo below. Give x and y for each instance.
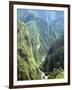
(43, 76)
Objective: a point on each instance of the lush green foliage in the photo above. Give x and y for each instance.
(27, 68)
(40, 44)
(56, 74)
(54, 59)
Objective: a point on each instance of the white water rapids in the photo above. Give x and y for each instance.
(43, 76)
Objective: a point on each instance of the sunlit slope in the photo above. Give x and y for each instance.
(26, 65)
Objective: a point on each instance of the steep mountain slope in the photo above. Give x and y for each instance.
(40, 44)
(55, 59)
(44, 28)
(27, 68)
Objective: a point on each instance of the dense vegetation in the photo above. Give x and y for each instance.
(27, 68)
(54, 62)
(40, 45)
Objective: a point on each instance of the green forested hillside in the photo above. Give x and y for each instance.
(54, 62)
(26, 65)
(40, 44)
